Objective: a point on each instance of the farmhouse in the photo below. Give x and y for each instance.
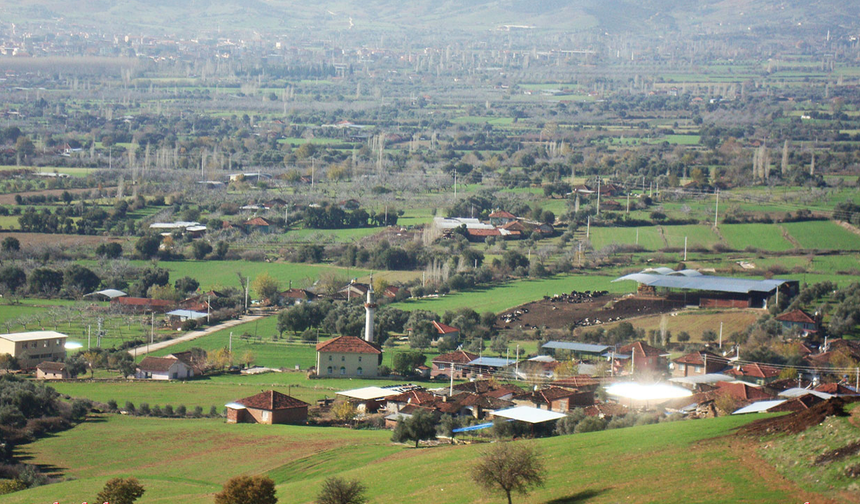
(453, 362)
(697, 363)
(446, 331)
(163, 368)
(31, 348)
(348, 356)
(270, 407)
(49, 370)
(642, 358)
(800, 320)
(697, 289)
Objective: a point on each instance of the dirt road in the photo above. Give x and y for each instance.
(142, 350)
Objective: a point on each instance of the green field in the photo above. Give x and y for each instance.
(500, 298)
(760, 236)
(700, 236)
(214, 274)
(649, 238)
(188, 460)
(823, 235)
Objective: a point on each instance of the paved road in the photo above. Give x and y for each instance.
(142, 350)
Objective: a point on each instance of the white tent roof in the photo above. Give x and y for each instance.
(759, 407)
(109, 293)
(32, 335)
(705, 378)
(528, 414)
(368, 393)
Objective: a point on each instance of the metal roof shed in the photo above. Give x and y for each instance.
(576, 347)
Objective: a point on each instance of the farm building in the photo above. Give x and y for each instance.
(163, 368)
(268, 407)
(697, 289)
(578, 350)
(52, 371)
(31, 348)
(798, 319)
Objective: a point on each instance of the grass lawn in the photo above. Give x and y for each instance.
(188, 460)
(823, 235)
(697, 236)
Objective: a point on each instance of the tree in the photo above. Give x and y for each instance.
(13, 277)
(340, 491)
(186, 284)
(200, 249)
(405, 362)
(81, 279)
(266, 287)
(709, 336)
(147, 246)
(420, 426)
(509, 467)
(10, 244)
(247, 490)
(45, 281)
(109, 250)
(344, 411)
(121, 491)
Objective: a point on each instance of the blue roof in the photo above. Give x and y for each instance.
(473, 427)
(576, 347)
(492, 362)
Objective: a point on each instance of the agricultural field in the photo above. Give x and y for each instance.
(580, 466)
(759, 236)
(514, 293)
(823, 235)
(695, 323)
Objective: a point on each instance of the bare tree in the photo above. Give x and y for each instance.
(509, 467)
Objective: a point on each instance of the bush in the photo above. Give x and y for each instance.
(198, 412)
(181, 411)
(80, 408)
(168, 410)
(189, 325)
(590, 424)
(112, 406)
(129, 406)
(144, 409)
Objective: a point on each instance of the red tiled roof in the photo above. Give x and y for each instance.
(514, 226)
(834, 388)
(156, 364)
(257, 221)
(640, 348)
(547, 395)
(798, 316)
(755, 371)
(348, 344)
(606, 409)
(414, 397)
(272, 400)
(743, 391)
(501, 214)
(697, 359)
(297, 294)
(484, 232)
(503, 391)
(459, 357)
(444, 329)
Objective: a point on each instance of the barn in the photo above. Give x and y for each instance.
(697, 289)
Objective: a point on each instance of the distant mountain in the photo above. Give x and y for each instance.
(645, 17)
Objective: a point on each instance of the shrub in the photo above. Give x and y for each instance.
(180, 410)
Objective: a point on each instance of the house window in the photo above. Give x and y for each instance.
(359, 371)
(329, 358)
(441, 367)
(342, 370)
(45, 344)
(329, 370)
(58, 342)
(359, 358)
(343, 358)
(265, 416)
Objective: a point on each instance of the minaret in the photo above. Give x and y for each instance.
(370, 307)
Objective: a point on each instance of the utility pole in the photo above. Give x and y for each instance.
(151, 331)
(717, 208)
(230, 343)
(518, 363)
(208, 308)
(628, 201)
(247, 280)
(721, 335)
(685, 248)
(588, 228)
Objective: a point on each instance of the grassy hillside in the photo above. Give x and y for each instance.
(188, 460)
